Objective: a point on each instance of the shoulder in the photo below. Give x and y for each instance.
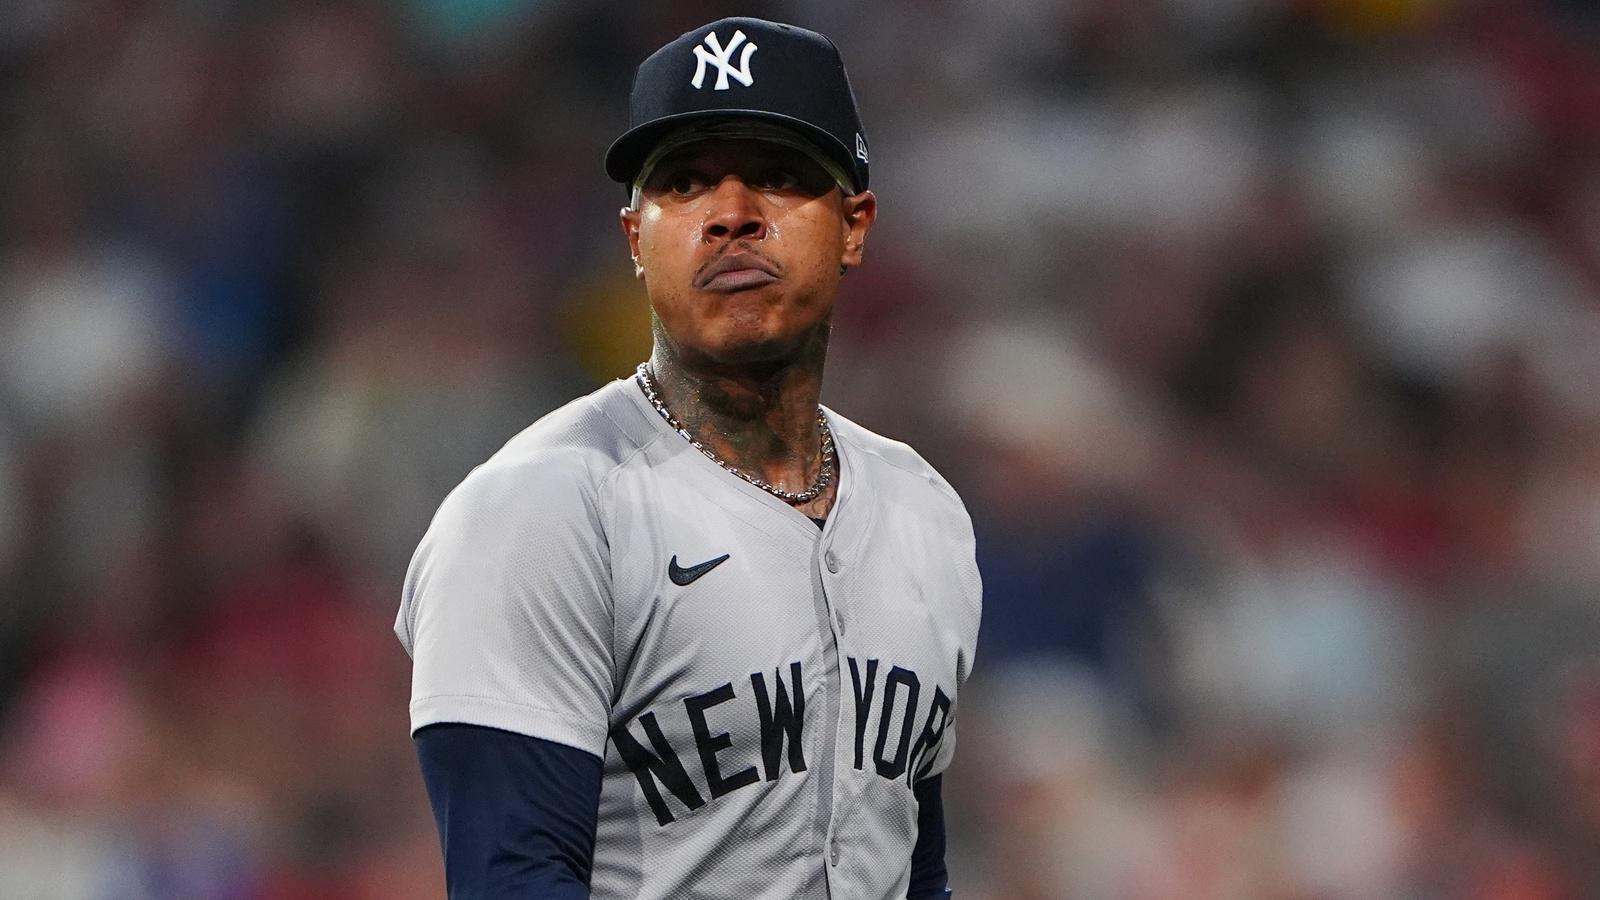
(542, 494)
(911, 490)
(535, 509)
(895, 466)
(559, 463)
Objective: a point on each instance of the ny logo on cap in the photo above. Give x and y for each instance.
(722, 58)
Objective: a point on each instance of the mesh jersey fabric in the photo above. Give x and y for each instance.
(762, 725)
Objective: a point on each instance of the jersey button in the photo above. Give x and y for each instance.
(833, 853)
(832, 560)
(838, 621)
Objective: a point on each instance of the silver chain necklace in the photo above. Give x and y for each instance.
(647, 383)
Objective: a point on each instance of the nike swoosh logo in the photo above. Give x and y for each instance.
(681, 576)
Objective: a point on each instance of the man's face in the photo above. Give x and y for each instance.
(740, 245)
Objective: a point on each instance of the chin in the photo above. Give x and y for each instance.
(742, 335)
(753, 333)
(752, 349)
(756, 344)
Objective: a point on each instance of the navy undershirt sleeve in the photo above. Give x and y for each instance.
(929, 880)
(516, 814)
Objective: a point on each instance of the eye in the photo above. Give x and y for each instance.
(778, 178)
(684, 182)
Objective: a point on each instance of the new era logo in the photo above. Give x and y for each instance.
(861, 147)
(713, 53)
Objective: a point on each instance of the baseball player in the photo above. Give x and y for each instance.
(694, 635)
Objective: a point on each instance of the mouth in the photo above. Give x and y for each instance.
(737, 272)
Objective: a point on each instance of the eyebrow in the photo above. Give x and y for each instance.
(693, 158)
(759, 153)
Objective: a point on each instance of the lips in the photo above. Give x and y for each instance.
(737, 271)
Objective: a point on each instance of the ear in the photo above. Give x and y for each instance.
(628, 218)
(860, 211)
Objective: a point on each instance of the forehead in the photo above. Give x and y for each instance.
(733, 153)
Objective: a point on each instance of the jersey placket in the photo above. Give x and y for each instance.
(830, 565)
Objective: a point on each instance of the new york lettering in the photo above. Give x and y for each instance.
(780, 718)
(894, 753)
(899, 749)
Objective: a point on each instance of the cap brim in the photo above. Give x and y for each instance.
(627, 153)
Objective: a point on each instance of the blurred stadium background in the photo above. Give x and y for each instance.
(1262, 338)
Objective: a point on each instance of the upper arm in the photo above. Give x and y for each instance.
(929, 876)
(516, 814)
(507, 606)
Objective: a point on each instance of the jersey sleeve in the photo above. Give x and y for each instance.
(964, 619)
(507, 610)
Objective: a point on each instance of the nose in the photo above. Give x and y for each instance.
(735, 212)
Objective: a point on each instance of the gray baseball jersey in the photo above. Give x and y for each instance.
(763, 693)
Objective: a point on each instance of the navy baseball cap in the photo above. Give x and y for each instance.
(742, 68)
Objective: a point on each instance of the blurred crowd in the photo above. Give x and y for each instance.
(1262, 338)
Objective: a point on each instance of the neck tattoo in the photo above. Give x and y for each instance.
(647, 384)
